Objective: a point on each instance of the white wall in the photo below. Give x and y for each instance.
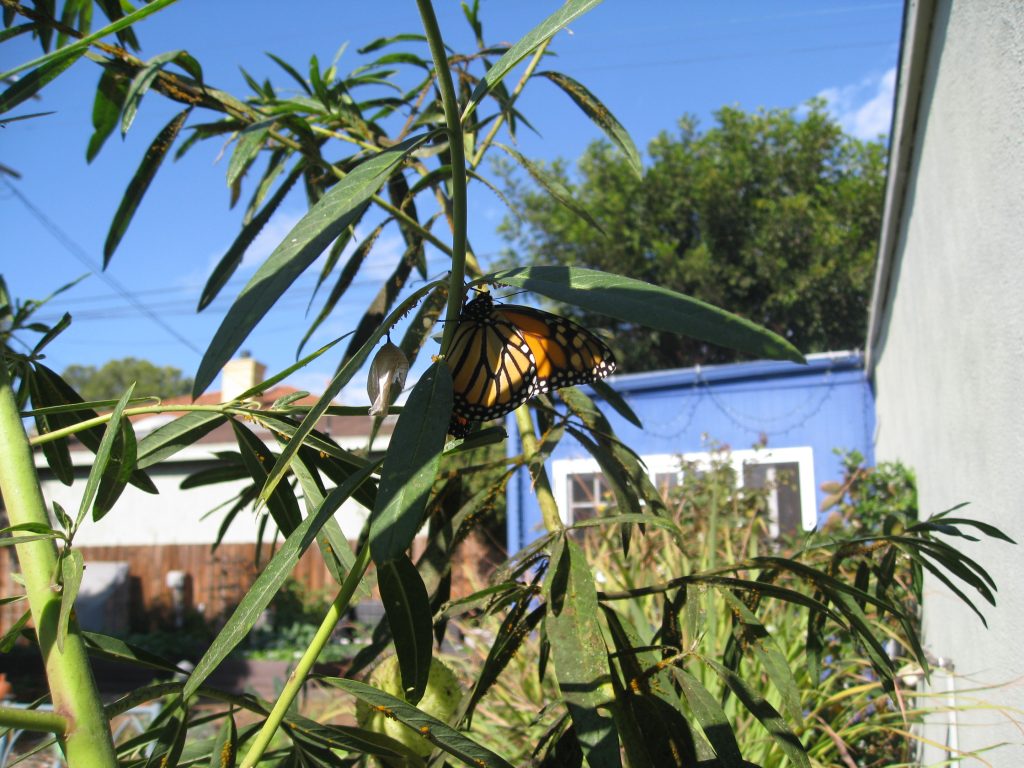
(950, 357)
(175, 516)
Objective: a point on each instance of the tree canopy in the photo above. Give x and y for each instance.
(111, 380)
(772, 215)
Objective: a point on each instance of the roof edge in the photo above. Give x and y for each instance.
(915, 44)
(756, 369)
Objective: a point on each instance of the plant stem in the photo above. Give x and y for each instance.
(541, 484)
(33, 720)
(458, 157)
(298, 676)
(86, 740)
(500, 119)
(57, 434)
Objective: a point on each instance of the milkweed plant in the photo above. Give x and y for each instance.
(396, 143)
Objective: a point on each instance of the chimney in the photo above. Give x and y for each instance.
(239, 375)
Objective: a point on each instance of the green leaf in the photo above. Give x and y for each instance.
(352, 739)
(411, 465)
(635, 301)
(250, 142)
(579, 654)
(332, 214)
(407, 605)
(759, 641)
(382, 42)
(28, 86)
(553, 186)
(172, 437)
(768, 716)
(439, 733)
(515, 629)
(256, 457)
(72, 565)
(99, 466)
(270, 580)
(711, 718)
(140, 182)
(599, 113)
(59, 400)
(335, 548)
(525, 46)
(12, 634)
(225, 746)
(116, 649)
(341, 378)
(142, 81)
(82, 44)
(106, 107)
(618, 403)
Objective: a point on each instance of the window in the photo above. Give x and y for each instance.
(589, 495)
(787, 474)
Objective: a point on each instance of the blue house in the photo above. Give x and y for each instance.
(800, 413)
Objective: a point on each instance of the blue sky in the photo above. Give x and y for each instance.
(650, 61)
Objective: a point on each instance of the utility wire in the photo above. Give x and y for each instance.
(79, 253)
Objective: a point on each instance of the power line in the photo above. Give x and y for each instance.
(79, 253)
(739, 56)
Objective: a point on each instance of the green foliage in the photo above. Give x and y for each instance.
(109, 381)
(659, 633)
(774, 215)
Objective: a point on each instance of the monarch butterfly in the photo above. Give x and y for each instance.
(502, 356)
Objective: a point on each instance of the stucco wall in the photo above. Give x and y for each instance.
(950, 359)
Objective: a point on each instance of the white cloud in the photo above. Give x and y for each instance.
(864, 109)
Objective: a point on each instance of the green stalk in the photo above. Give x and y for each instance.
(541, 484)
(298, 676)
(32, 720)
(458, 155)
(86, 740)
(500, 119)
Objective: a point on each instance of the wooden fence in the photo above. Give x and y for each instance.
(217, 580)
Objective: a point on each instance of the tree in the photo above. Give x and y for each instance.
(773, 215)
(111, 380)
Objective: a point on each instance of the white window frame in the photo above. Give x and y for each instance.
(667, 463)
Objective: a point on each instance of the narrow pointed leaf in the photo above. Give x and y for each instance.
(82, 44)
(106, 106)
(407, 605)
(225, 746)
(99, 466)
(552, 186)
(172, 437)
(768, 716)
(341, 378)
(270, 580)
(635, 301)
(72, 566)
(34, 81)
(335, 211)
(527, 45)
(763, 646)
(411, 465)
(579, 654)
(249, 144)
(711, 718)
(232, 258)
(140, 182)
(439, 733)
(599, 113)
(141, 83)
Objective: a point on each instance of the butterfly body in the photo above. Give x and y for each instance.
(501, 356)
